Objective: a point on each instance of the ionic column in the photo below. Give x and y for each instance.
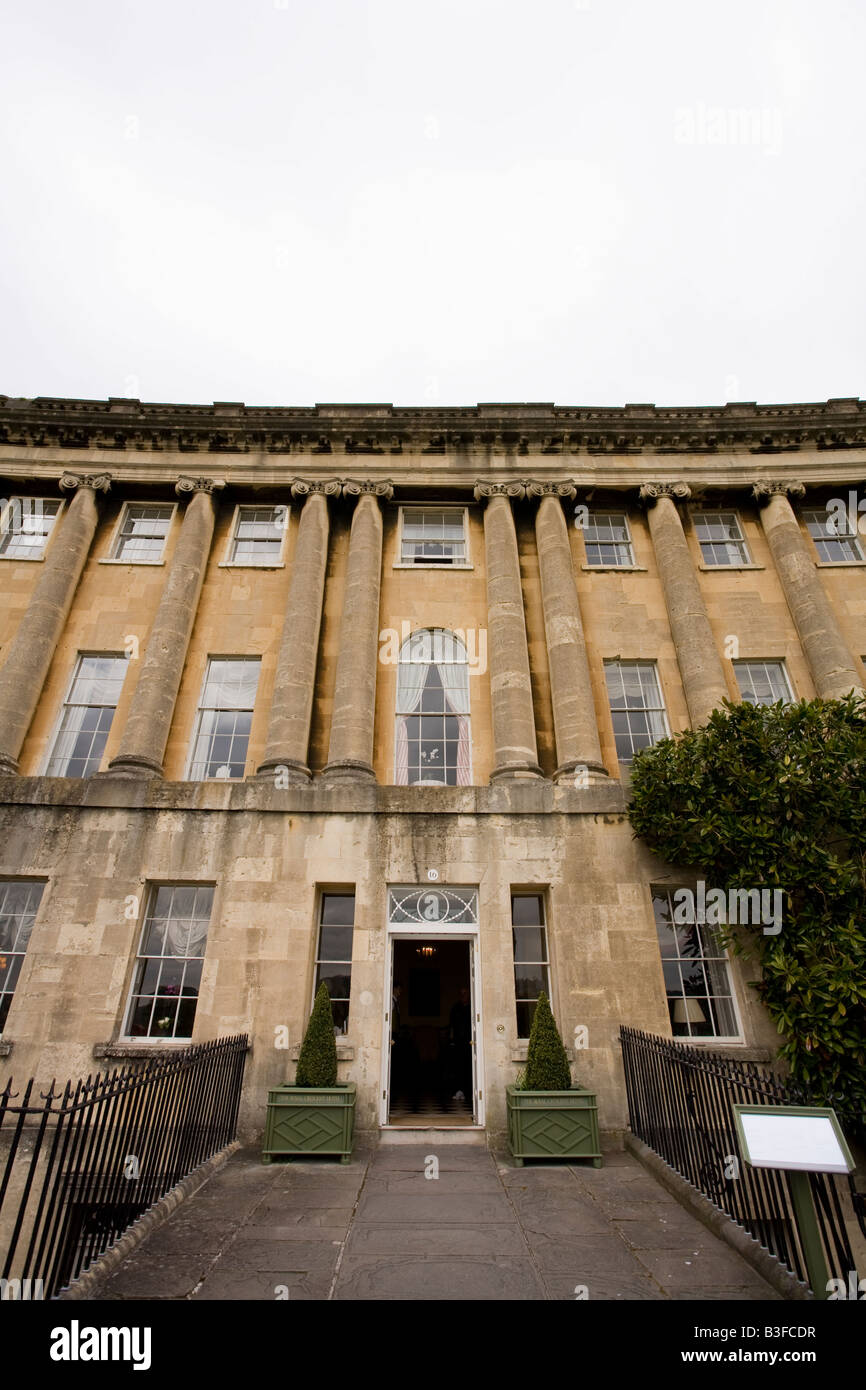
(288, 735)
(831, 663)
(697, 655)
(574, 719)
(350, 749)
(515, 749)
(33, 646)
(145, 735)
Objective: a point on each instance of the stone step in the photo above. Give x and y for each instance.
(441, 1134)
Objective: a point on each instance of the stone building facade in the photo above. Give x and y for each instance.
(349, 693)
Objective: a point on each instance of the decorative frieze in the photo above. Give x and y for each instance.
(506, 428)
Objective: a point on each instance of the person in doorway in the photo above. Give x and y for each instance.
(461, 1041)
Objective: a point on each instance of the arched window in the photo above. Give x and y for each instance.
(432, 744)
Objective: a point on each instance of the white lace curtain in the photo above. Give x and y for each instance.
(422, 649)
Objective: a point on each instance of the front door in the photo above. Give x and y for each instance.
(432, 1033)
(431, 1065)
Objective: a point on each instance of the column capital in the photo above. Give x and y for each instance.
(765, 488)
(538, 487)
(354, 487)
(186, 483)
(649, 493)
(513, 489)
(99, 482)
(326, 487)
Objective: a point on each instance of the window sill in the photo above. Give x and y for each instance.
(840, 564)
(404, 565)
(23, 559)
(154, 564)
(714, 569)
(615, 569)
(231, 565)
(144, 1047)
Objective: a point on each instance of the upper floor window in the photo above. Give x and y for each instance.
(433, 744)
(608, 540)
(835, 538)
(257, 536)
(636, 706)
(87, 714)
(225, 717)
(697, 975)
(141, 535)
(334, 956)
(531, 967)
(167, 979)
(19, 903)
(762, 682)
(433, 536)
(721, 538)
(25, 525)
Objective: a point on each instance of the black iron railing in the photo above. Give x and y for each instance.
(680, 1102)
(80, 1164)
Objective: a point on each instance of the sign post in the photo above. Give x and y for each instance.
(800, 1139)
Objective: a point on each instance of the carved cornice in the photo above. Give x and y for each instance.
(649, 493)
(185, 483)
(328, 487)
(765, 488)
(507, 429)
(353, 487)
(99, 482)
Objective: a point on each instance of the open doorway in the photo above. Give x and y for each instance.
(432, 1026)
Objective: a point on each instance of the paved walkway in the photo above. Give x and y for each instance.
(380, 1228)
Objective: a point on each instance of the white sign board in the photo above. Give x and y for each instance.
(782, 1138)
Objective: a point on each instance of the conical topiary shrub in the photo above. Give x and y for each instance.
(317, 1061)
(547, 1066)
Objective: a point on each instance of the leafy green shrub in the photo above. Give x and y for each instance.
(547, 1066)
(317, 1061)
(775, 797)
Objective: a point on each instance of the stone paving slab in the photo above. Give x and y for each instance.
(467, 1240)
(433, 1279)
(379, 1228)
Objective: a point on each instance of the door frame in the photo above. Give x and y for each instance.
(430, 933)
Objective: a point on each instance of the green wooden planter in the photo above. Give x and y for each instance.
(553, 1124)
(310, 1120)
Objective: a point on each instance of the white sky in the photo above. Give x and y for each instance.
(288, 201)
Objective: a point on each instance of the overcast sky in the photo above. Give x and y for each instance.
(281, 202)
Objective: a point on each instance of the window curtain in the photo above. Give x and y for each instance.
(411, 676)
(454, 676)
(419, 652)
